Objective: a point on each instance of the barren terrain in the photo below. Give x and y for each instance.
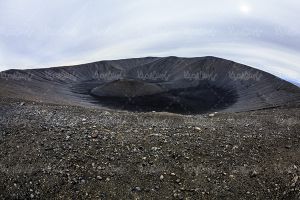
(50, 151)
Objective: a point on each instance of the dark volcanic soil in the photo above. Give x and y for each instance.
(67, 152)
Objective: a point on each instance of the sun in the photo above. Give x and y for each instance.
(245, 8)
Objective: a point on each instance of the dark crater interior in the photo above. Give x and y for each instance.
(144, 97)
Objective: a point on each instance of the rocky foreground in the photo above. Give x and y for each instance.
(67, 152)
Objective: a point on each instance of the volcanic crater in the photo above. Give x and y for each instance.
(169, 84)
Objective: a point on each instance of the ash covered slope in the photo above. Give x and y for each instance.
(172, 84)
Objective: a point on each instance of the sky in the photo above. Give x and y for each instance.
(262, 34)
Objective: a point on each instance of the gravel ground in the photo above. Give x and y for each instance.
(67, 152)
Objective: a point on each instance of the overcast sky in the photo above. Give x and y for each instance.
(262, 34)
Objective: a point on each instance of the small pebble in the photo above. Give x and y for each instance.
(197, 129)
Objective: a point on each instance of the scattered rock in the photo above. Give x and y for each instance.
(161, 177)
(198, 129)
(106, 113)
(197, 157)
(178, 195)
(294, 181)
(155, 148)
(136, 189)
(253, 174)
